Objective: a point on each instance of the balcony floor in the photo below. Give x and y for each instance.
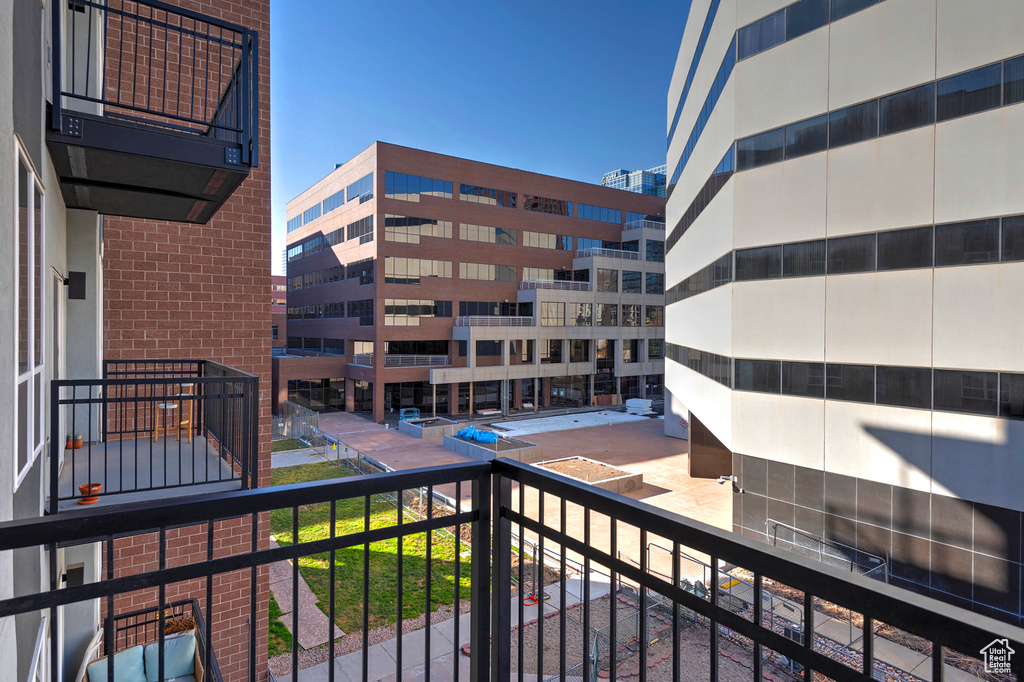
(140, 470)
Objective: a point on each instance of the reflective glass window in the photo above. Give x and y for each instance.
(607, 314)
(851, 254)
(807, 137)
(908, 109)
(632, 282)
(1011, 395)
(804, 259)
(631, 315)
(762, 35)
(581, 314)
(972, 392)
(361, 189)
(902, 249)
(607, 215)
(654, 316)
(579, 350)
(1012, 247)
(761, 263)
(970, 92)
(1013, 81)
(803, 379)
(761, 149)
(607, 280)
(655, 283)
(850, 382)
(655, 349)
(334, 201)
(853, 124)
(904, 386)
(762, 376)
(552, 314)
(546, 205)
(486, 195)
(844, 8)
(967, 243)
(655, 251)
(805, 16)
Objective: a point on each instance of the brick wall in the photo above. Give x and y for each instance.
(174, 290)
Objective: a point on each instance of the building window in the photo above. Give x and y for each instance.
(334, 201)
(761, 263)
(1012, 245)
(361, 270)
(851, 254)
(853, 124)
(311, 344)
(28, 320)
(970, 92)
(311, 214)
(538, 273)
(546, 240)
(655, 349)
(805, 16)
(362, 228)
(1013, 81)
(807, 137)
(550, 351)
(488, 348)
(334, 346)
(761, 149)
(412, 270)
(1011, 395)
(273, 332)
(487, 272)
(607, 314)
(581, 314)
(486, 195)
(607, 215)
(488, 235)
(552, 314)
(362, 310)
(971, 392)
(579, 350)
(361, 189)
(294, 343)
(762, 376)
(803, 379)
(655, 283)
(904, 386)
(804, 259)
(904, 249)
(404, 312)
(908, 109)
(295, 223)
(545, 205)
(654, 316)
(630, 350)
(967, 243)
(410, 229)
(409, 187)
(631, 282)
(850, 382)
(607, 280)
(762, 35)
(631, 315)
(844, 8)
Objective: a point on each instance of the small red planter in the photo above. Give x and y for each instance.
(88, 492)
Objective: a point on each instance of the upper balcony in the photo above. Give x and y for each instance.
(155, 108)
(608, 253)
(493, 321)
(152, 429)
(648, 224)
(629, 591)
(529, 284)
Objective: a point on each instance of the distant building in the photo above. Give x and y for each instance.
(423, 280)
(650, 182)
(278, 313)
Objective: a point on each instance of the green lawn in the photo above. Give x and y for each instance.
(280, 640)
(286, 444)
(314, 524)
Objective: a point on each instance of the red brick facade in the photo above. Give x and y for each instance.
(175, 290)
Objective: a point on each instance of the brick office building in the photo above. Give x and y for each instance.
(422, 280)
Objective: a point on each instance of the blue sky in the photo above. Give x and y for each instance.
(568, 88)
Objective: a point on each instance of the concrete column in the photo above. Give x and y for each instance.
(505, 352)
(471, 400)
(593, 399)
(433, 403)
(350, 395)
(453, 398)
(517, 393)
(545, 393)
(471, 358)
(378, 401)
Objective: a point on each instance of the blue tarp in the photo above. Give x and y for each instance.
(473, 433)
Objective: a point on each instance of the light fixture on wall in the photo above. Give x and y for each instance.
(75, 282)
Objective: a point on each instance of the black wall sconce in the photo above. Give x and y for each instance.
(75, 282)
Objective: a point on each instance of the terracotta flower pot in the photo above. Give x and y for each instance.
(70, 444)
(88, 491)
(78, 441)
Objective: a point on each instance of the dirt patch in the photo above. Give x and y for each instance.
(583, 469)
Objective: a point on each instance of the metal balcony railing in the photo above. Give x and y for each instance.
(151, 425)
(365, 359)
(155, 64)
(611, 607)
(493, 321)
(608, 253)
(553, 284)
(649, 224)
(417, 360)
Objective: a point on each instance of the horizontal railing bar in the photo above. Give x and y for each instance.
(141, 517)
(170, 9)
(895, 606)
(177, 574)
(161, 114)
(155, 381)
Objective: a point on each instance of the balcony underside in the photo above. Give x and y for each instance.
(141, 470)
(136, 170)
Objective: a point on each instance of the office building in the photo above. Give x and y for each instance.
(278, 313)
(650, 182)
(135, 316)
(422, 280)
(844, 253)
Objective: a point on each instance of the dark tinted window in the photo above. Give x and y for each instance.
(807, 137)
(757, 375)
(844, 8)
(850, 382)
(805, 16)
(762, 35)
(960, 391)
(970, 92)
(901, 249)
(758, 150)
(804, 259)
(904, 386)
(1011, 395)
(908, 109)
(631, 282)
(760, 263)
(655, 283)
(851, 254)
(1013, 238)
(804, 379)
(966, 243)
(1013, 81)
(853, 124)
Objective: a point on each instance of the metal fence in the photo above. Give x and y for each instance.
(608, 253)
(528, 284)
(828, 552)
(295, 421)
(493, 321)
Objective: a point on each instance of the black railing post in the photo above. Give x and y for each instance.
(246, 429)
(253, 431)
(501, 579)
(254, 110)
(55, 444)
(480, 574)
(244, 113)
(55, 63)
